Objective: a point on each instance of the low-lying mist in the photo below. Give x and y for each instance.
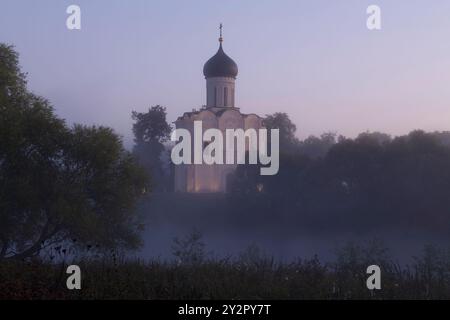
(169, 216)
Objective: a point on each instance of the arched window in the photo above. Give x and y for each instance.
(225, 96)
(232, 98)
(215, 97)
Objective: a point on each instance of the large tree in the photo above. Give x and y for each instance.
(287, 129)
(151, 131)
(59, 182)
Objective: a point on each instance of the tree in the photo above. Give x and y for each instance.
(281, 121)
(151, 131)
(12, 81)
(316, 147)
(377, 136)
(59, 182)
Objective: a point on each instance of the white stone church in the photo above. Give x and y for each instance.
(220, 112)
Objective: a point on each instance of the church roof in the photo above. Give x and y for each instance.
(220, 65)
(217, 112)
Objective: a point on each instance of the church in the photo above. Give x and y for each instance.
(220, 112)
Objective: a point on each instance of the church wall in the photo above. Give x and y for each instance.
(252, 121)
(211, 178)
(205, 175)
(230, 119)
(184, 172)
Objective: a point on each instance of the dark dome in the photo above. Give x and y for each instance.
(220, 65)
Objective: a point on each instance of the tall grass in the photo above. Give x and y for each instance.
(251, 275)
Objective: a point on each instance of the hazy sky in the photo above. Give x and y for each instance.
(315, 60)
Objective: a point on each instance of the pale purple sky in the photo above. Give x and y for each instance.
(313, 59)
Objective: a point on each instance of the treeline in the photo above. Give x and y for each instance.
(356, 184)
(328, 182)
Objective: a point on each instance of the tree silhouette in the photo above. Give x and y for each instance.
(59, 182)
(151, 131)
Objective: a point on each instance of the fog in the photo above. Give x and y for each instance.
(167, 217)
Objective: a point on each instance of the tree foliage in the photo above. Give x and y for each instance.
(286, 129)
(59, 182)
(356, 184)
(151, 131)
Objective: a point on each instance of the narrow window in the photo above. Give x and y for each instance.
(232, 98)
(215, 97)
(225, 96)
